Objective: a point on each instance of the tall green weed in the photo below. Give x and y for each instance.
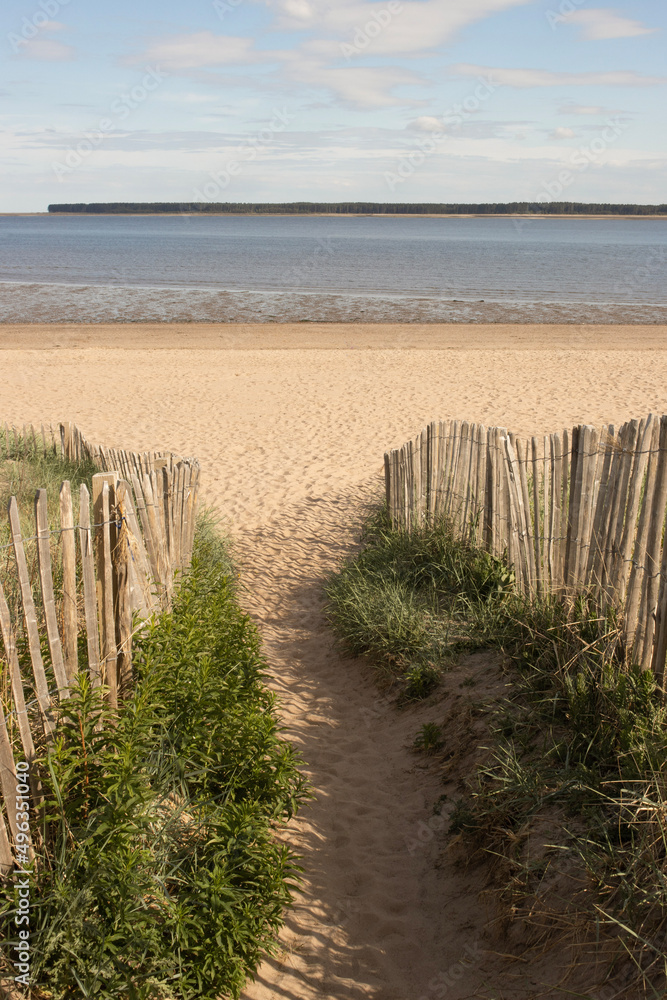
(161, 875)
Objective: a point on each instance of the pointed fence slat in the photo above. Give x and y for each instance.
(30, 617)
(495, 468)
(556, 457)
(69, 606)
(89, 588)
(576, 486)
(593, 572)
(122, 565)
(153, 512)
(20, 710)
(639, 464)
(48, 596)
(146, 601)
(104, 543)
(150, 540)
(503, 519)
(538, 531)
(647, 558)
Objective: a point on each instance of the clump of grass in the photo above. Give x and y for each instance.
(429, 738)
(160, 875)
(584, 736)
(580, 744)
(411, 602)
(25, 468)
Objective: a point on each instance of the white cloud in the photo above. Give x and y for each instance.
(427, 123)
(359, 86)
(583, 109)
(189, 98)
(545, 78)
(198, 51)
(349, 28)
(603, 22)
(346, 31)
(563, 133)
(47, 49)
(416, 26)
(298, 8)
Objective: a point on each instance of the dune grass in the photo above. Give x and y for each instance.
(411, 602)
(24, 468)
(578, 747)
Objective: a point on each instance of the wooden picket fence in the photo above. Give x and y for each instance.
(576, 512)
(135, 534)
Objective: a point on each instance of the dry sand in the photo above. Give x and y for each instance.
(291, 442)
(335, 336)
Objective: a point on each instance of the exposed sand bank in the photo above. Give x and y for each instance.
(291, 441)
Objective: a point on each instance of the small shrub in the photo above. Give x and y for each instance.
(161, 876)
(429, 738)
(420, 680)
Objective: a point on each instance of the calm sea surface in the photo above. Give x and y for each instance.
(97, 268)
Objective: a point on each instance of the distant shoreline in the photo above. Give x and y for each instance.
(331, 215)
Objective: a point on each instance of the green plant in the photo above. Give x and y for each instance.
(411, 601)
(421, 679)
(429, 738)
(578, 746)
(160, 874)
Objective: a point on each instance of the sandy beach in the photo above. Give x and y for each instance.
(291, 423)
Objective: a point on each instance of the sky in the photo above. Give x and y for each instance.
(306, 100)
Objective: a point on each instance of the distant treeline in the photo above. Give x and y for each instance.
(360, 208)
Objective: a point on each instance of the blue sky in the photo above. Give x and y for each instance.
(281, 100)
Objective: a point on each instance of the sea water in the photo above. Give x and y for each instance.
(85, 268)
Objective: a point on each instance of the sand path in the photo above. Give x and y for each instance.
(368, 922)
(291, 442)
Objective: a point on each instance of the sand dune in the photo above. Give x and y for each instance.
(292, 441)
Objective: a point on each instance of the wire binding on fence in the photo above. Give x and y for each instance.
(577, 511)
(135, 534)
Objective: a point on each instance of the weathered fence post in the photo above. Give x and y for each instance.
(104, 544)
